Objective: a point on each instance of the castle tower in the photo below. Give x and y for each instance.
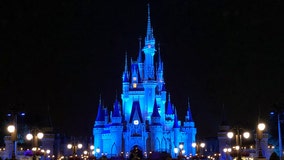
(156, 129)
(145, 121)
(99, 127)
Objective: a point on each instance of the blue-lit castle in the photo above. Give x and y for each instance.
(145, 121)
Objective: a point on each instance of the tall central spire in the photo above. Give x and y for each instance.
(149, 32)
(149, 50)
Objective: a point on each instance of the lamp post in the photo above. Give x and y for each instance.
(238, 137)
(98, 150)
(13, 131)
(175, 151)
(181, 151)
(92, 152)
(260, 129)
(199, 147)
(46, 153)
(35, 136)
(227, 152)
(74, 148)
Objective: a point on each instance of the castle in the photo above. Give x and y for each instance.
(145, 121)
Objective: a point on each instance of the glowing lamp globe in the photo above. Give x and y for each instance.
(40, 135)
(230, 135)
(69, 146)
(11, 128)
(246, 135)
(29, 136)
(261, 126)
(202, 145)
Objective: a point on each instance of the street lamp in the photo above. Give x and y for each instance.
(176, 151)
(227, 152)
(238, 137)
(35, 136)
(13, 131)
(181, 150)
(260, 129)
(74, 148)
(98, 150)
(199, 147)
(92, 147)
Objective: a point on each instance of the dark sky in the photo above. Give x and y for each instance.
(65, 54)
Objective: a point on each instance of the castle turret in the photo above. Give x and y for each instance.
(160, 72)
(169, 115)
(106, 115)
(116, 129)
(140, 62)
(188, 118)
(156, 117)
(190, 131)
(125, 89)
(99, 127)
(176, 131)
(125, 74)
(156, 128)
(116, 116)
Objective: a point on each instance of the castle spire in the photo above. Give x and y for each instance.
(160, 63)
(101, 112)
(125, 65)
(176, 122)
(155, 110)
(224, 118)
(139, 59)
(116, 112)
(149, 27)
(169, 107)
(125, 73)
(188, 114)
(149, 50)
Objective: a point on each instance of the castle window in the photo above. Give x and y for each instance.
(134, 85)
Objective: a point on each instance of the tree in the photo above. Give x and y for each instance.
(274, 156)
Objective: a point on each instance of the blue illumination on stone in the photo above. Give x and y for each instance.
(145, 119)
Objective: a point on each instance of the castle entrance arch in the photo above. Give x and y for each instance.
(136, 153)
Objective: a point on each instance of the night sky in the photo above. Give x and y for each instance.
(225, 56)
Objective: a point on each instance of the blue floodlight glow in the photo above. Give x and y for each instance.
(142, 123)
(272, 113)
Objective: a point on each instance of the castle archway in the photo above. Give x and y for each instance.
(136, 153)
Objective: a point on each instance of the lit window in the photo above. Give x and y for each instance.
(135, 122)
(134, 85)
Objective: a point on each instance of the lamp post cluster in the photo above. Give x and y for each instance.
(180, 151)
(239, 134)
(35, 136)
(227, 152)
(259, 136)
(74, 148)
(239, 138)
(98, 150)
(13, 131)
(89, 154)
(199, 148)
